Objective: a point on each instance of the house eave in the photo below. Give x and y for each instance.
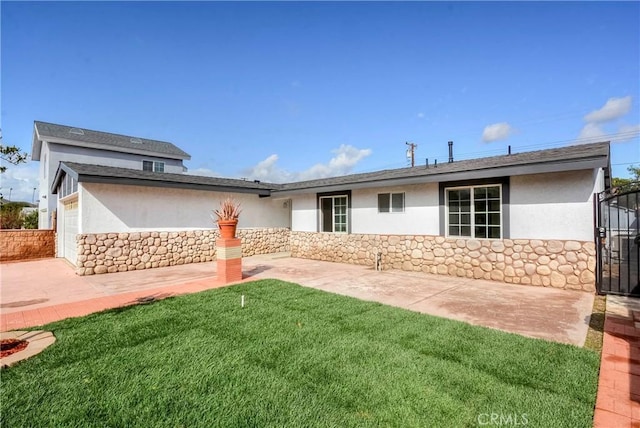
(435, 177)
(36, 145)
(111, 148)
(172, 184)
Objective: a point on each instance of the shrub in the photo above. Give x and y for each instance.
(11, 216)
(31, 220)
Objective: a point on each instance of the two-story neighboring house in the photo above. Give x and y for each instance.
(54, 143)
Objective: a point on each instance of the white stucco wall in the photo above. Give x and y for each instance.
(420, 216)
(304, 216)
(542, 206)
(554, 206)
(52, 154)
(61, 152)
(120, 208)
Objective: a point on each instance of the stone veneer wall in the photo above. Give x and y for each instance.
(27, 244)
(120, 252)
(561, 264)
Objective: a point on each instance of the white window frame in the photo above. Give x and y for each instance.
(154, 165)
(390, 207)
(472, 210)
(333, 214)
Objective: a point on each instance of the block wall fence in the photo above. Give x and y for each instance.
(549, 263)
(27, 244)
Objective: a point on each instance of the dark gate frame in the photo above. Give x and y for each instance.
(617, 216)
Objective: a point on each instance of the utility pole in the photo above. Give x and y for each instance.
(411, 153)
(33, 196)
(10, 190)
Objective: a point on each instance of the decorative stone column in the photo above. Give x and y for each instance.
(229, 258)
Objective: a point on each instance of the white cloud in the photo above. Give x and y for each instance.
(593, 132)
(344, 159)
(268, 170)
(19, 181)
(420, 115)
(206, 172)
(612, 109)
(590, 132)
(496, 132)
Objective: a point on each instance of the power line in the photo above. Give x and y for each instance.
(612, 137)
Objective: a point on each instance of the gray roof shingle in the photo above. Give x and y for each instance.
(583, 156)
(115, 141)
(108, 174)
(569, 154)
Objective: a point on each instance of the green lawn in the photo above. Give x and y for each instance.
(293, 356)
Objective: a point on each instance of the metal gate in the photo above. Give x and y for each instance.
(618, 264)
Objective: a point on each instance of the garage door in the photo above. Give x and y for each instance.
(70, 247)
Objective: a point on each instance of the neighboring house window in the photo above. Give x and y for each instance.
(390, 202)
(334, 213)
(154, 166)
(474, 211)
(68, 186)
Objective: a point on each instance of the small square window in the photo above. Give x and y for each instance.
(390, 202)
(152, 166)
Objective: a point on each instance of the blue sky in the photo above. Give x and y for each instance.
(294, 90)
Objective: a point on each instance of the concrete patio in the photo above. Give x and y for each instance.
(37, 292)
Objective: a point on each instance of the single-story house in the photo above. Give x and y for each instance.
(519, 218)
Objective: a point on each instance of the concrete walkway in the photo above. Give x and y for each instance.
(618, 401)
(39, 292)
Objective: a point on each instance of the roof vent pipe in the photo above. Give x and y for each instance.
(509, 150)
(450, 151)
